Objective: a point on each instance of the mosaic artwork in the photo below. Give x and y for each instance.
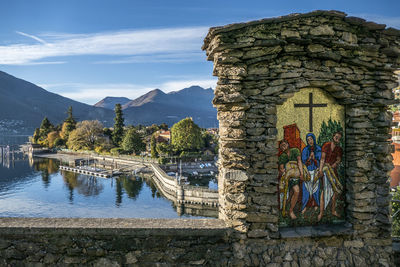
(311, 159)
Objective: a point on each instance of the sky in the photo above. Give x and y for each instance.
(87, 50)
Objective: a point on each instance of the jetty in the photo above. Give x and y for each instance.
(183, 194)
(90, 171)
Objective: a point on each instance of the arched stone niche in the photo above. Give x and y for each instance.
(260, 65)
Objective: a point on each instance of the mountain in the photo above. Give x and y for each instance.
(158, 107)
(109, 102)
(154, 96)
(23, 105)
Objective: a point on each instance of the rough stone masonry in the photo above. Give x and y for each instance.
(260, 65)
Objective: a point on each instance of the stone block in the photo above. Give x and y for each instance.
(289, 33)
(350, 37)
(322, 30)
(235, 175)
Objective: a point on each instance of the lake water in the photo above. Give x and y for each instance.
(39, 189)
(36, 188)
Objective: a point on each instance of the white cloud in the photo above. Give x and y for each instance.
(92, 93)
(32, 36)
(159, 58)
(169, 41)
(42, 63)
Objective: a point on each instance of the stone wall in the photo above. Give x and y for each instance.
(113, 242)
(163, 242)
(260, 65)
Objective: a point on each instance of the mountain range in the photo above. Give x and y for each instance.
(158, 107)
(23, 105)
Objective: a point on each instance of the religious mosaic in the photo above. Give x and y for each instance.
(310, 159)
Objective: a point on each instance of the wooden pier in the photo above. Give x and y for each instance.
(101, 174)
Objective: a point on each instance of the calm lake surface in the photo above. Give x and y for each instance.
(36, 188)
(41, 190)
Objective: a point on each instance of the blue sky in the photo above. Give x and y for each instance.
(87, 50)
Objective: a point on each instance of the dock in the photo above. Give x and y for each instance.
(94, 172)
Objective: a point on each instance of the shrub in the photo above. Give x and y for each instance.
(116, 151)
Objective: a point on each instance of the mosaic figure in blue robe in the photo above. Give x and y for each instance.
(311, 156)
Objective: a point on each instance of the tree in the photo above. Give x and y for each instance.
(132, 142)
(45, 128)
(164, 149)
(151, 129)
(118, 125)
(69, 125)
(186, 136)
(52, 137)
(40, 134)
(153, 144)
(87, 135)
(207, 138)
(107, 132)
(163, 126)
(36, 136)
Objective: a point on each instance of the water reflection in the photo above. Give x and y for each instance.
(46, 167)
(132, 186)
(209, 181)
(35, 187)
(89, 186)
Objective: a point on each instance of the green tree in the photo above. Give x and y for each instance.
(151, 129)
(163, 126)
(36, 136)
(132, 142)
(186, 136)
(40, 135)
(164, 149)
(118, 132)
(69, 125)
(107, 132)
(207, 138)
(153, 145)
(87, 135)
(59, 142)
(45, 128)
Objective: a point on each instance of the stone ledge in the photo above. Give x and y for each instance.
(107, 226)
(316, 231)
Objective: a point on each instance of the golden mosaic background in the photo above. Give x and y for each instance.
(288, 114)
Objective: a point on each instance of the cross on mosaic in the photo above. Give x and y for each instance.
(311, 160)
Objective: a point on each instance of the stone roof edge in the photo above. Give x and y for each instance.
(334, 13)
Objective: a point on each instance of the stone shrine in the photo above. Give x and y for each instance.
(288, 86)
